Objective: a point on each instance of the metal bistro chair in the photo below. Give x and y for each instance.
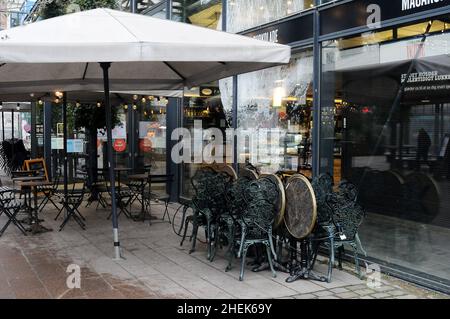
(237, 204)
(257, 221)
(339, 217)
(10, 206)
(207, 204)
(50, 192)
(160, 197)
(123, 195)
(75, 198)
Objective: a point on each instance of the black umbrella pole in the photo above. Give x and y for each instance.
(66, 181)
(105, 66)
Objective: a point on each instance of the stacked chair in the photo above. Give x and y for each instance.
(339, 218)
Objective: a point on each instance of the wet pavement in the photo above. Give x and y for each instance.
(155, 266)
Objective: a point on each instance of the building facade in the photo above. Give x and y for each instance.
(364, 98)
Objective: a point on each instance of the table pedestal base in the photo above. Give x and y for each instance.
(302, 270)
(38, 229)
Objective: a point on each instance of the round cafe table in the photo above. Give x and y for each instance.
(36, 227)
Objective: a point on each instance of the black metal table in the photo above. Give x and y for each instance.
(36, 227)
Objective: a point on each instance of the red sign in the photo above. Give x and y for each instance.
(145, 145)
(120, 145)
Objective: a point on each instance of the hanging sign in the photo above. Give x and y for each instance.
(120, 145)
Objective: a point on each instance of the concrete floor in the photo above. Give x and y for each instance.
(155, 266)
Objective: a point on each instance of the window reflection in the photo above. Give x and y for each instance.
(386, 127)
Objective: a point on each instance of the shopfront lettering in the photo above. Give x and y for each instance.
(270, 36)
(413, 4)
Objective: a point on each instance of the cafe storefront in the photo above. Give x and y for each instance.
(365, 99)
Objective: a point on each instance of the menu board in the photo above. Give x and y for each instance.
(75, 146)
(57, 143)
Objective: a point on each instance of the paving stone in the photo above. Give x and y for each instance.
(323, 293)
(339, 290)
(407, 297)
(357, 287)
(347, 295)
(381, 295)
(364, 292)
(305, 296)
(328, 297)
(397, 293)
(366, 297)
(384, 288)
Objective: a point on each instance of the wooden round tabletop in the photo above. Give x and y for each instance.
(301, 207)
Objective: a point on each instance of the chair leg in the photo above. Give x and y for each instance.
(357, 267)
(186, 225)
(59, 213)
(331, 260)
(166, 211)
(241, 247)
(341, 251)
(208, 239)
(194, 236)
(359, 245)
(272, 248)
(244, 254)
(269, 259)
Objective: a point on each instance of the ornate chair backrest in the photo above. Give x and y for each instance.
(210, 190)
(261, 196)
(323, 187)
(347, 214)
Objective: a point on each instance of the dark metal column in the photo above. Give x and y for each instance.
(33, 130)
(105, 66)
(3, 126)
(12, 133)
(234, 113)
(224, 15)
(316, 95)
(64, 112)
(173, 121)
(133, 6)
(169, 9)
(48, 136)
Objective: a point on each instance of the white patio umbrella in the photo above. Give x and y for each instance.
(103, 49)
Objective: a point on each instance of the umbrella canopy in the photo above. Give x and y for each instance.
(109, 50)
(146, 53)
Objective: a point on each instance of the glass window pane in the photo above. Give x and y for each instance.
(275, 117)
(385, 127)
(206, 13)
(246, 14)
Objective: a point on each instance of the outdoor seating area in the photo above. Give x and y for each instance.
(263, 212)
(153, 154)
(31, 193)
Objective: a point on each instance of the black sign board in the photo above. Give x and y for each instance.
(289, 31)
(360, 13)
